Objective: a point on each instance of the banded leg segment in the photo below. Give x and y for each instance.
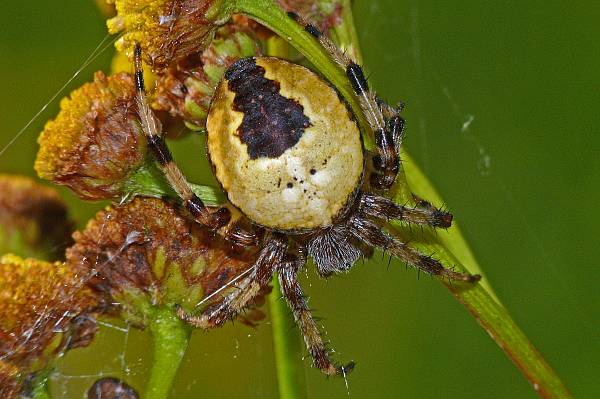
(293, 294)
(151, 127)
(424, 213)
(268, 260)
(387, 129)
(372, 234)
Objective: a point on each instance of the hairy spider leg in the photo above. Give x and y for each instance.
(424, 213)
(294, 296)
(387, 131)
(270, 256)
(151, 127)
(213, 219)
(372, 234)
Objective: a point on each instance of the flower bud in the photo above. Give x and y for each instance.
(168, 30)
(186, 88)
(45, 309)
(33, 219)
(95, 142)
(147, 254)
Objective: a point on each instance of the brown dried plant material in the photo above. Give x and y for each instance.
(95, 142)
(325, 14)
(45, 309)
(186, 88)
(168, 30)
(33, 219)
(147, 253)
(10, 386)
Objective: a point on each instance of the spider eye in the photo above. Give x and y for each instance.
(284, 146)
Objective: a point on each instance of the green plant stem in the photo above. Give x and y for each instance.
(40, 387)
(149, 181)
(288, 347)
(170, 336)
(450, 248)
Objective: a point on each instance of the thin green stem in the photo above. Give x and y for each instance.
(451, 249)
(149, 181)
(170, 336)
(40, 387)
(288, 348)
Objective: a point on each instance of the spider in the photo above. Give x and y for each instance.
(287, 152)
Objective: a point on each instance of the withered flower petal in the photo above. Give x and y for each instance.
(147, 253)
(41, 308)
(95, 140)
(167, 30)
(186, 88)
(33, 219)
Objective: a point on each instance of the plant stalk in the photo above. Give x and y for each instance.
(170, 337)
(288, 347)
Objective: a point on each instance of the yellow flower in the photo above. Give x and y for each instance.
(45, 309)
(95, 141)
(167, 30)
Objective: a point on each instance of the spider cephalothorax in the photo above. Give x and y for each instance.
(288, 153)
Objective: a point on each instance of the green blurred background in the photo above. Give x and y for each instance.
(502, 109)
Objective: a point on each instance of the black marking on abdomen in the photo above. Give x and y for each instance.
(160, 150)
(272, 123)
(357, 78)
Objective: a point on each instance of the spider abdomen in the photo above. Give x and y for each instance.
(284, 146)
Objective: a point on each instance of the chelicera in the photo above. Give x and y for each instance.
(288, 154)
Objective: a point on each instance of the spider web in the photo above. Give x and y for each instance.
(121, 351)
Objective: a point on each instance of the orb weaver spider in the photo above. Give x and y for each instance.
(288, 154)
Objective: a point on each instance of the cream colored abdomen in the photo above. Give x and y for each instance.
(310, 183)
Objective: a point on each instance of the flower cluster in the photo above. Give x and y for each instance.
(45, 309)
(95, 142)
(144, 253)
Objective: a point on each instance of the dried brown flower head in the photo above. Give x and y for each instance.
(33, 219)
(186, 88)
(95, 142)
(168, 30)
(44, 310)
(147, 253)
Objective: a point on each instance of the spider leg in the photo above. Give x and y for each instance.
(387, 128)
(293, 294)
(151, 127)
(424, 213)
(270, 256)
(372, 234)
